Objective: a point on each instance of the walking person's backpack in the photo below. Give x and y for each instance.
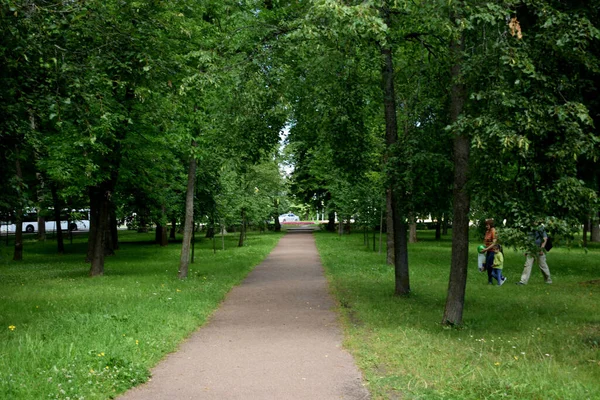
(548, 244)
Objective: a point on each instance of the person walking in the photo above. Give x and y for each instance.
(540, 237)
(489, 240)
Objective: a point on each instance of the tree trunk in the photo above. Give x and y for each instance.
(380, 228)
(188, 229)
(390, 227)
(41, 228)
(444, 225)
(161, 235)
(438, 230)
(413, 233)
(223, 235)
(173, 228)
(57, 208)
(595, 230)
(40, 178)
(399, 225)
(460, 224)
(331, 222)
(242, 229)
(586, 228)
(276, 216)
(18, 251)
(94, 221)
(99, 231)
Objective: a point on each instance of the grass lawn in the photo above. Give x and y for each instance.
(518, 342)
(64, 335)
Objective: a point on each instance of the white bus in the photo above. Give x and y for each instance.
(72, 221)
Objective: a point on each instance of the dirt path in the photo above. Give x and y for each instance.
(274, 337)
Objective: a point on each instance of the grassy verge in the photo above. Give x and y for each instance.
(64, 335)
(518, 342)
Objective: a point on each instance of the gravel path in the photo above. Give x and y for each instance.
(274, 337)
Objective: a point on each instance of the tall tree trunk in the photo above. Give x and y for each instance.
(389, 227)
(173, 228)
(41, 219)
(331, 221)
(438, 230)
(99, 230)
(399, 225)
(455, 301)
(161, 230)
(188, 229)
(242, 229)
(57, 211)
(41, 227)
(586, 228)
(445, 224)
(413, 232)
(276, 215)
(380, 228)
(94, 222)
(595, 229)
(18, 251)
(161, 235)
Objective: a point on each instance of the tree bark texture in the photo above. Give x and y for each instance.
(595, 229)
(455, 301)
(242, 228)
(100, 196)
(399, 225)
(276, 215)
(413, 233)
(389, 227)
(188, 229)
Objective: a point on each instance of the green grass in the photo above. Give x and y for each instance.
(77, 337)
(518, 342)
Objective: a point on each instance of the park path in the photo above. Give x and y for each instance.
(274, 337)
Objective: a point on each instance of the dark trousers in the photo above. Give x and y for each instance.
(489, 264)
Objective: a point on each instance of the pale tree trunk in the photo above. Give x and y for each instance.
(595, 229)
(455, 301)
(413, 233)
(399, 225)
(586, 228)
(188, 230)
